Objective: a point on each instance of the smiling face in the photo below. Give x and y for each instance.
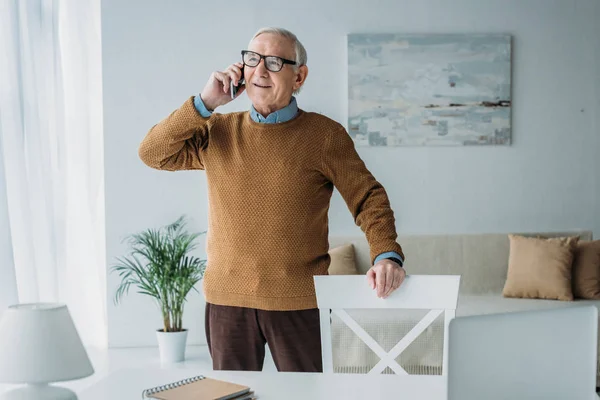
(271, 91)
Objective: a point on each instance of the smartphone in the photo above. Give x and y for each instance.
(235, 88)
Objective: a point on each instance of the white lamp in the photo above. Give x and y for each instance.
(39, 345)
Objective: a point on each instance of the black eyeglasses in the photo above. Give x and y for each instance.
(272, 63)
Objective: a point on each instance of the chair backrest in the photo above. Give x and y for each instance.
(335, 294)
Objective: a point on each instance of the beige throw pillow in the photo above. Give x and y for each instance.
(586, 270)
(540, 268)
(343, 261)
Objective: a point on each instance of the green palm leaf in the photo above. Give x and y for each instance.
(160, 266)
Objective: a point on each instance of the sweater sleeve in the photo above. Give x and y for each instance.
(365, 197)
(176, 142)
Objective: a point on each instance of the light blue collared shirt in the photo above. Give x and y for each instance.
(287, 113)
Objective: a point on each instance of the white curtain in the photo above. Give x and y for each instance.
(52, 150)
(8, 287)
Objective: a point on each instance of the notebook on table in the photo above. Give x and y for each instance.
(199, 388)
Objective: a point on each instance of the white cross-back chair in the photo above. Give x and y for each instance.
(437, 293)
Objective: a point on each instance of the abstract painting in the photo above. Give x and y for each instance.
(429, 90)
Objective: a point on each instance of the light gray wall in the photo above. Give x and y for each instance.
(157, 54)
(595, 35)
(8, 288)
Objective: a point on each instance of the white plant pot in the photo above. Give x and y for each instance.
(171, 346)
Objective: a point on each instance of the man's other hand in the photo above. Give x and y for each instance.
(385, 277)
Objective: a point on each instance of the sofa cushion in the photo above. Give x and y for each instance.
(586, 270)
(343, 261)
(540, 268)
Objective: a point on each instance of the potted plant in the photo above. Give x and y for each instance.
(159, 266)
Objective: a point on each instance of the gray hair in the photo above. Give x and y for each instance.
(300, 52)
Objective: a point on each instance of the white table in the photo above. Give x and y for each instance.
(129, 384)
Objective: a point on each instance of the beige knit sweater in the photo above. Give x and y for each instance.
(269, 189)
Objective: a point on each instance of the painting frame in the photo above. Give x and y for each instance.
(429, 89)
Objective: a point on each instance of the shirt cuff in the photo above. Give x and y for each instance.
(199, 104)
(390, 254)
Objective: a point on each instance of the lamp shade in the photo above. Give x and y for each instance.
(39, 344)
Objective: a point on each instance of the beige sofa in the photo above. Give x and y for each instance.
(480, 259)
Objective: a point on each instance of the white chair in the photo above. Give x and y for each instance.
(437, 293)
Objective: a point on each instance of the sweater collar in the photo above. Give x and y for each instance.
(285, 114)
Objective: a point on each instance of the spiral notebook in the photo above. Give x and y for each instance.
(199, 388)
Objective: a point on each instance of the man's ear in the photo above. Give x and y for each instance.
(300, 76)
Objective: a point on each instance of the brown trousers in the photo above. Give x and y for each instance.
(236, 338)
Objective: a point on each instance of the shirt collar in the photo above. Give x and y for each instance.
(285, 114)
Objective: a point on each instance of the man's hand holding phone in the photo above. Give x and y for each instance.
(223, 86)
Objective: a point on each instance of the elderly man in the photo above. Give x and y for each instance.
(271, 173)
